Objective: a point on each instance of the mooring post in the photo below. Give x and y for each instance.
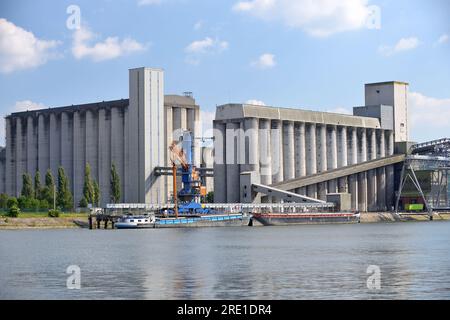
(90, 222)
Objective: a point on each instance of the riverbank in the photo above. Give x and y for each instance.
(41, 221)
(377, 217)
(77, 220)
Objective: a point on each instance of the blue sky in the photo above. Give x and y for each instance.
(307, 54)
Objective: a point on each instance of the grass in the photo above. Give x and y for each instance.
(45, 215)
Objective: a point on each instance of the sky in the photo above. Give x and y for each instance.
(309, 54)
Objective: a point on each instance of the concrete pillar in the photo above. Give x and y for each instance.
(381, 173)
(353, 190)
(79, 151)
(220, 174)
(321, 189)
(198, 134)
(288, 150)
(104, 155)
(332, 156)
(372, 174)
(390, 189)
(277, 151)
(353, 159)
(342, 157)
(372, 190)
(126, 157)
(362, 177)
(252, 146)
(390, 171)
(20, 167)
(321, 145)
(10, 165)
(66, 146)
(146, 136)
(300, 150)
(381, 189)
(362, 146)
(232, 166)
(55, 145)
(118, 145)
(311, 191)
(92, 143)
(311, 162)
(362, 192)
(322, 148)
(265, 152)
(353, 146)
(390, 143)
(168, 120)
(300, 153)
(43, 163)
(311, 157)
(31, 147)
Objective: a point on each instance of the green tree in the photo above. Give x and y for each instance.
(12, 202)
(49, 187)
(96, 194)
(14, 212)
(27, 186)
(88, 187)
(64, 196)
(37, 186)
(24, 202)
(83, 203)
(3, 200)
(210, 197)
(115, 185)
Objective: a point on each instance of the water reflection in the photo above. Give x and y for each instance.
(307, 262)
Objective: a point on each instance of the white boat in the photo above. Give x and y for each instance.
(136, 221)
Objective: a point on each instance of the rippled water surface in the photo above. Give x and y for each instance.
(298, 262)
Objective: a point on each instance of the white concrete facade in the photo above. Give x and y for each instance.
(302, 143)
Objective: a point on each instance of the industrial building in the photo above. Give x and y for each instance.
(133, 133)
(261, 154)
(269, 154)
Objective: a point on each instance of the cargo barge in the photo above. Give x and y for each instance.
(284, 219)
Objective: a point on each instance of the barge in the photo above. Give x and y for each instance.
(284, 219)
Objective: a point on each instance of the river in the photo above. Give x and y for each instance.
(297, 262)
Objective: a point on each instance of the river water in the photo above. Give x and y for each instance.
(296, 262)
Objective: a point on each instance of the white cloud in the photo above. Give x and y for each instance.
(341, 110)
(404, 44)
(198, 25)
(20, 49)
(255, 102)
(27, 105)
(24, 105)
(265, 61)
(110, 48)
(443, 39)
(207, 45)
(148, 2)
(428, 112)
(319, 18)
(202, 47)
